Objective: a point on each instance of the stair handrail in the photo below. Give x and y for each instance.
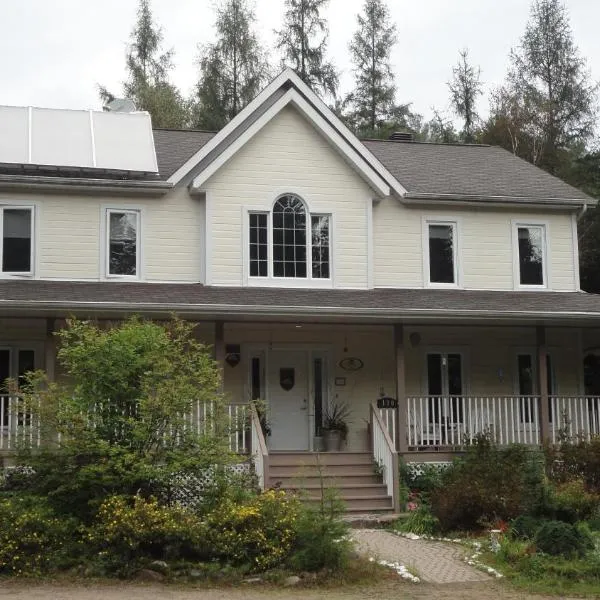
(385, 455)
(258, 448)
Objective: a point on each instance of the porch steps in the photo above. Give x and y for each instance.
(352, 474)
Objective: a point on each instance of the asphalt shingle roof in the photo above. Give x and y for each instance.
(471, 170)
(197, 298)
(455, 169)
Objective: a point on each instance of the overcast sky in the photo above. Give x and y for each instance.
(53, 53)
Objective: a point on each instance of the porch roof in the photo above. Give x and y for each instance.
(57, 298)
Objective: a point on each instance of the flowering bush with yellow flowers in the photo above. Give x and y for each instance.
(127, 529)
(33, 540)
(259, 532)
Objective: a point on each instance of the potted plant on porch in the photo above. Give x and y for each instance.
(335, 426)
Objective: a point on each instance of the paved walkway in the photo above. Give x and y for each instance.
(434, 562)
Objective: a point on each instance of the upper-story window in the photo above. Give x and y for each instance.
(441, 253)
(17, 240)
(122, 243)
(289, 243)
(531, 255)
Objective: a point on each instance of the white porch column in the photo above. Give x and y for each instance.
(219, 349)
(50, 350)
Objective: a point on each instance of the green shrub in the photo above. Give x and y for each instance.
(420, 521)
(562, 539)
(421, 477)
(574, 503)
(321, 538)
(524, 527)
(127, 530)
(33, 540)
(573, 459)
(556, 569)
(486, 485)
(259, 532)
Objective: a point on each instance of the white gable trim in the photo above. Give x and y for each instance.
(294, 98)
(333, 125)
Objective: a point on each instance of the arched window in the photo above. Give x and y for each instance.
(289, 237)
(296, 246)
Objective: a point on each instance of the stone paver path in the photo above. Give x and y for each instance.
(435, 562)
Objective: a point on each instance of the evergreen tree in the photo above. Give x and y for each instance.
(550, 98)
(464, 87)
(373, 100)
(232, 70)
(148, 74)
(303, 42)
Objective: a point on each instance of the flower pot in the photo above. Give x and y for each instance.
(333, 440)
(318, 443)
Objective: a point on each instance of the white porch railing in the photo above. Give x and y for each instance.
(388, 416)
(258, 449)
(384, 453)
(17, 427)
(575, 417)
(456, 420)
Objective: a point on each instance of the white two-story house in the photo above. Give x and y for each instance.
(323, 269)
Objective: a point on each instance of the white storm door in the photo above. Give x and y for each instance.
(288, 399)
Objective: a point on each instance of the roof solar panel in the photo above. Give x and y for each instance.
(77, 138)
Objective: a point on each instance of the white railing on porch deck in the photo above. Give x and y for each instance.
(457, 420)
(390, 420)
(17, 427)
(574, 417)
(258, 449)
(384, 453)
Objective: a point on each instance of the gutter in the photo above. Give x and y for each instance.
(289, 311)
(468, 200)
(83, 184)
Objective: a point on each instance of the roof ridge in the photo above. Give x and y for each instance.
(426, 143)
(180, 130)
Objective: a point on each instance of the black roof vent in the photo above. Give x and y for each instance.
(402, 136)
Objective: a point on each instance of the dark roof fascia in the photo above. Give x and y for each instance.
(419, 199)
(83, 185)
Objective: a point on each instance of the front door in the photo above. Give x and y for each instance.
(288, 399)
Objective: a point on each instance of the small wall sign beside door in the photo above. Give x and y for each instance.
(233, 354)
(287, 378)
(351, 364)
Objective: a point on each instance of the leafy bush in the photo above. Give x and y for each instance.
(321, 536)
(573, 459)
(524, 527)
(422, 478)
(259, 532)
(33, 540)
(572, 502)
(486, 485)
(420, 521)
(129, 529)
(562, 539)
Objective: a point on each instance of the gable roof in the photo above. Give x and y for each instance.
(468, 170)
(286, 89)
(174, 147)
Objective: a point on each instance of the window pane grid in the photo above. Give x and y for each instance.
(289, 237)
(122, 238)
(259, 265)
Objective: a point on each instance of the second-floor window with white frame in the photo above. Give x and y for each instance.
(17, 240)
(441, 253)
(122, 243)
(531, 250)
(289, 242)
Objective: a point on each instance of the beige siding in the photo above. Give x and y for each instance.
(69, 231)
(485, 239)
(288, 155)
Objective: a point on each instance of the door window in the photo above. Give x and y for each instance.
(445, 387)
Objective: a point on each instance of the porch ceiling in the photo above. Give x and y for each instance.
(58, 298)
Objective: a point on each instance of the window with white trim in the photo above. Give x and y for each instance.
(16, 224)
(289, 242)
(122, 243)
(441, 251)
(531, 248)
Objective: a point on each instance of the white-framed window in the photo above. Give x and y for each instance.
(122, 243)
(289, 243)
(530, 255)
(440, 253)
(17, 248)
